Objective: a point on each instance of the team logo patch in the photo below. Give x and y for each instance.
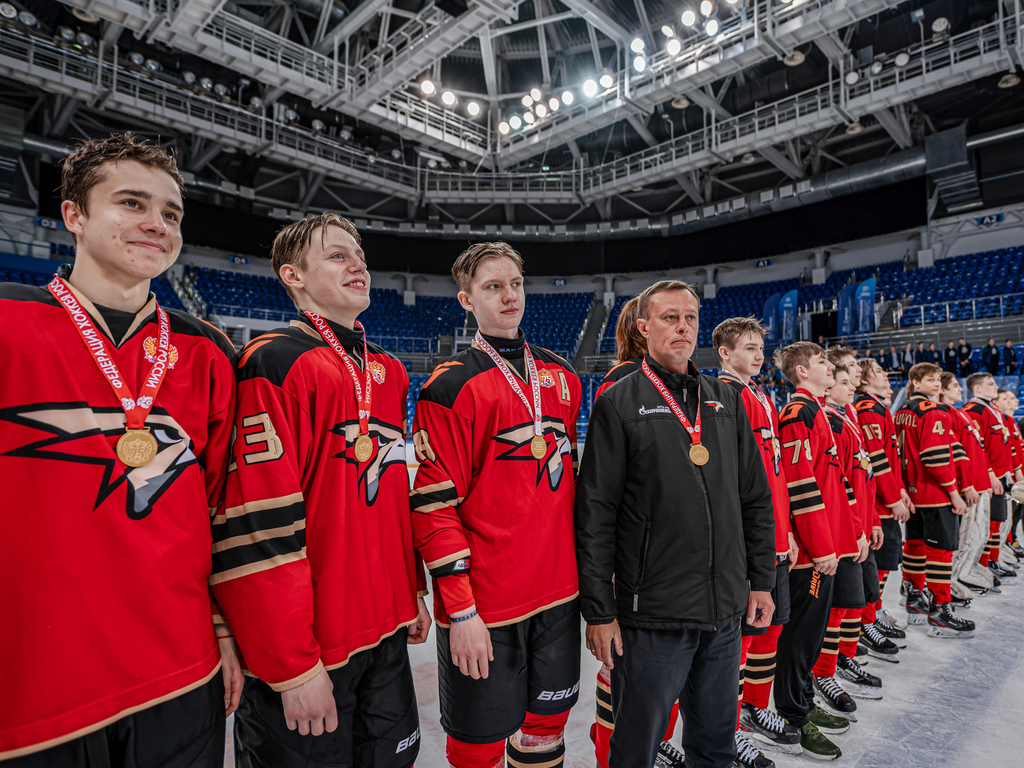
(545, 378)
(149, 347)
(377, 371)
(714, 404)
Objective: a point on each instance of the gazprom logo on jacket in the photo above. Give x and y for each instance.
(656, 409)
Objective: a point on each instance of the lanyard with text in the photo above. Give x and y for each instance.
(363, 444)
(862, 455)
(995, 415)
(698, 453)
(136, 446)
(763, 400)
(538, 448)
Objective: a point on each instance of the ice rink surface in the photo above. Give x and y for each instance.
(947, 704)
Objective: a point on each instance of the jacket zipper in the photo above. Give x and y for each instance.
(641, 566)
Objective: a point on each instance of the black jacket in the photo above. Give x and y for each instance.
(685, 544)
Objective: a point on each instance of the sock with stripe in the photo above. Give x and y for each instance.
(849, 631)
(913, 562)
(759, 671)
(940, 572)
(539, 743)
(746, 640)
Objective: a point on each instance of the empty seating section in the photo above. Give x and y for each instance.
(554, 320)
(738, 301)
(160, 286)
(608, 339)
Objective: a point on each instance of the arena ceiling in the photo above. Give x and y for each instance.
(423, 116)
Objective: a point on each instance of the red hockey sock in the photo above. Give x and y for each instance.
(940, 571)
(825, 666)
(913, 562)
(539, 742)
(673, 716)
(993, 542)
(464, 755)
(745, 642)
(849, 631)
(759, 673)
(601, 730)
(869, 614)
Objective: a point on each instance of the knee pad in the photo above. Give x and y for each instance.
(464, 755)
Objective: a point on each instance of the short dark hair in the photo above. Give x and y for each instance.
(464, 268)
(728, 332)
(662, 286)
(799, 353)
(835, 354)
(947, 378)
(919, 371)
(83, 168)
(293, 239)
(975, 378)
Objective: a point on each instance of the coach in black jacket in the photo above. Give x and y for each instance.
(691, 548)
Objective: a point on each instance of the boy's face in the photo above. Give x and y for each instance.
(335, 277)
(841, 393)
(818, 373)
(851, 365)
(953, 392)
(930, 386)
(747, 357)
(496, 296)
(987, 389)
(133, 225)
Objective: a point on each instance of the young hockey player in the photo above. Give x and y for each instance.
(313, 559)
(891, 500)
(739, 343)
(1008, 558)
(115, 427)
(824, 533)
(500, 416)
(926, 434)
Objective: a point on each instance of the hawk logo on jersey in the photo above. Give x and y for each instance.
(714, 404)
(545, 378)
(80, 434)
(388, 450)
(377, 371)
(769, 443)
(149, 348)
(518, 439)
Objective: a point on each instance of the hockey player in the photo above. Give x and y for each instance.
(824, 533)
(1008, 558)
(495, 435)
(313, 559)
(739, 343)
(891, 501)
(926, 435)
(115, 426)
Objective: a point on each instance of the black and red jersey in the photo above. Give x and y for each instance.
(822, 520)
(926, 433)
(764, 420)
(494, 524)
(620, 371)
(995, 435)
(105, 592)
(1017, 449)
(313, 556)
(970, 462)
(856, 467)
(879, 433)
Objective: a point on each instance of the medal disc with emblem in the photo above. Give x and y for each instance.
(136, 447)
(865, 463)
(538, 447)
(699, 454)
(363, 448)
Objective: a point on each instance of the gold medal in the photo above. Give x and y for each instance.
(699, 454)
(364, 448)
(865, 464)
(136, 447)
(538, 447)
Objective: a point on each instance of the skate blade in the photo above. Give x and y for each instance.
(915, 619)
(830, 732)
(899, 642)
(824, 758)
(892, 659)
(950, 634)
(851, 716)
(765, 744)
(861, 691)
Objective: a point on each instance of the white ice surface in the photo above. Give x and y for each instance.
(947, 704)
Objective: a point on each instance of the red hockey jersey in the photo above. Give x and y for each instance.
(880, 442)
(822, 520)
(105, 593)
(995, 435)
(925, 434)
(620, 371)
(970, 461)
(1017, 449)
(765, 423)
(494, 524)
(313, 557)
(866, 498)
(856, 466)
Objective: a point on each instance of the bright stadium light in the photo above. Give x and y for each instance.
(527, 100)
(689, 18)
(536, 94)
(667, 30)
(473, 109)
(528, 118)
(541, 110)
(428, 87)
(706, 8)
(606, 81)
(448, 98)
(674, 46)
(637, 46)
(589, 90)
(515, 122)
(504, 128)
(639, 63)
(567, 97)
(711, 27)
(554, 104)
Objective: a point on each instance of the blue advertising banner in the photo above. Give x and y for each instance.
(845, 320)
(771, 317)
(865, 300)
(787, 317)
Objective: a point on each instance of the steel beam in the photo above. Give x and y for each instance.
(599, 20)
(895, 127)
(780, 161)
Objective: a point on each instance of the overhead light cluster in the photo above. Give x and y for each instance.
(429, 88)
(704, 10)
(535, 107)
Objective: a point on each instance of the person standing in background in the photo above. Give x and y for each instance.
(949, 360)
(934, 356)
(963, 358)
(1009, 356)
(921, 354)
(990, 357)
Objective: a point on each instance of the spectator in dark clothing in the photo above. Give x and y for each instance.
(894, 361)
(934, 356)
(921, 354)
(1009, 359)
(949, 359)
(963, 357)
(907, 360)
(990, 357)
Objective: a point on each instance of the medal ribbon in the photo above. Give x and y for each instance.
(995, 415)
(763, 400)
(363, 393)
(136, 410)
(531, 368)
(862, 454)
(693, 430)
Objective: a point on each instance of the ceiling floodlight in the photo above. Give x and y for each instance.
(536, 94)
(256, 102)
(448, 98)
(207, 83)
(515, 122)
(876, 67)
(137, 59)
(504, 128)
(680, 102)
(86, 16)
(431, 163)
(396, 154)
(290, 115)
(473, 109)
(318, 126)
(940, 25)
(428, 87)
(66, 33)
(674, 46)
(854, 128)
(639, 63)
(188, 77)
(28, 19)
(8, 11)
(637, 46)
(711, 27)
(345, 134)
(902, 59)
(528, 118)
(567, 97)
(220, 89)
(689, 18)
(852, 77)
(606, 81)
(795, 59)
(527, 100)
(1009, 80)
(706, 8)
(667, 30)
(589, 90)
(541, 110)
(748, 158)
(84, 40)
(732, 2)
(153, 65)
(553, 104)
